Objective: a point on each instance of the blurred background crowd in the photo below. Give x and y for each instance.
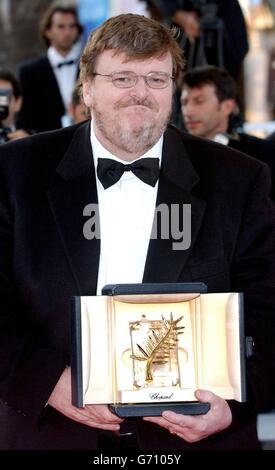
(238, 36)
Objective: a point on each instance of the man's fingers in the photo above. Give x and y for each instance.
(102, 413)
(83, 417)
(179, 419)
(206, 396)
(170, 423)
(106, 427)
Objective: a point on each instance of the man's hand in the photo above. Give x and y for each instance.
(19, 134)
(189, 23)
(195, 428)
(95, 416)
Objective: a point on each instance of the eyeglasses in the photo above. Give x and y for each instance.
(157, 80)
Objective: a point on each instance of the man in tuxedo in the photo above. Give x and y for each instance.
(128, 161)
(209, 105)
(48, 81)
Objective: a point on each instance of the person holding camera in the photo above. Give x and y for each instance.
(10, 104)
(214, 31)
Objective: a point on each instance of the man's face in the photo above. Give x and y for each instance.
(128, 121)
(14, 104)
(63, 31)
(78, 112)
(203, 114)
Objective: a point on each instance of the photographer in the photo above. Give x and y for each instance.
(10, 104)
(214, 31)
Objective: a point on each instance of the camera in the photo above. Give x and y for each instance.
(207, 11)
(212, 30)
(5, 96)
(206, 8)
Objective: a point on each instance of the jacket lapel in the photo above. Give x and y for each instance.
(72, 189)
(177, 178)
(48, 74)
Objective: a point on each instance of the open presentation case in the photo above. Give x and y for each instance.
(145, 348)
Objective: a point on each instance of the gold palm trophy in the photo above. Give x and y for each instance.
(154, 346)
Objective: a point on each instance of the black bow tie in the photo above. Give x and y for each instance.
(110, 171)
(66, 62)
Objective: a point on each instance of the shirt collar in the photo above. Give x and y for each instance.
(222, 138)
(55, 58)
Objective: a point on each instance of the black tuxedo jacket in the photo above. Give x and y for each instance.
(261, 149)
(45, 182)
(42, 102)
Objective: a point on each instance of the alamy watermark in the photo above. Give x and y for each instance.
(170, 222)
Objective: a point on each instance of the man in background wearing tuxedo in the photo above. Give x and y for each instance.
(209, 106)
(127, 161)
(48, 81)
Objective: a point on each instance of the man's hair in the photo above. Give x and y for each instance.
(9, 77)
(76, 95)
(55, 7)
(136, 36)
(224, 84)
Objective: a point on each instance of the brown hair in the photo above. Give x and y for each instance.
(224, 84)
(56, 7)
(134, 35)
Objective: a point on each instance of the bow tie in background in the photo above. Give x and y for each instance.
(66, 62)
(110, 171)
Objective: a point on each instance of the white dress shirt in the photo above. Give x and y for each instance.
(126, 212)
(65, 76)
(222, 138)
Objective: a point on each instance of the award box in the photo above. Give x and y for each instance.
(145, 348)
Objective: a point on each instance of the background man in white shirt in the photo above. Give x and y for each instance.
(48, 81)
